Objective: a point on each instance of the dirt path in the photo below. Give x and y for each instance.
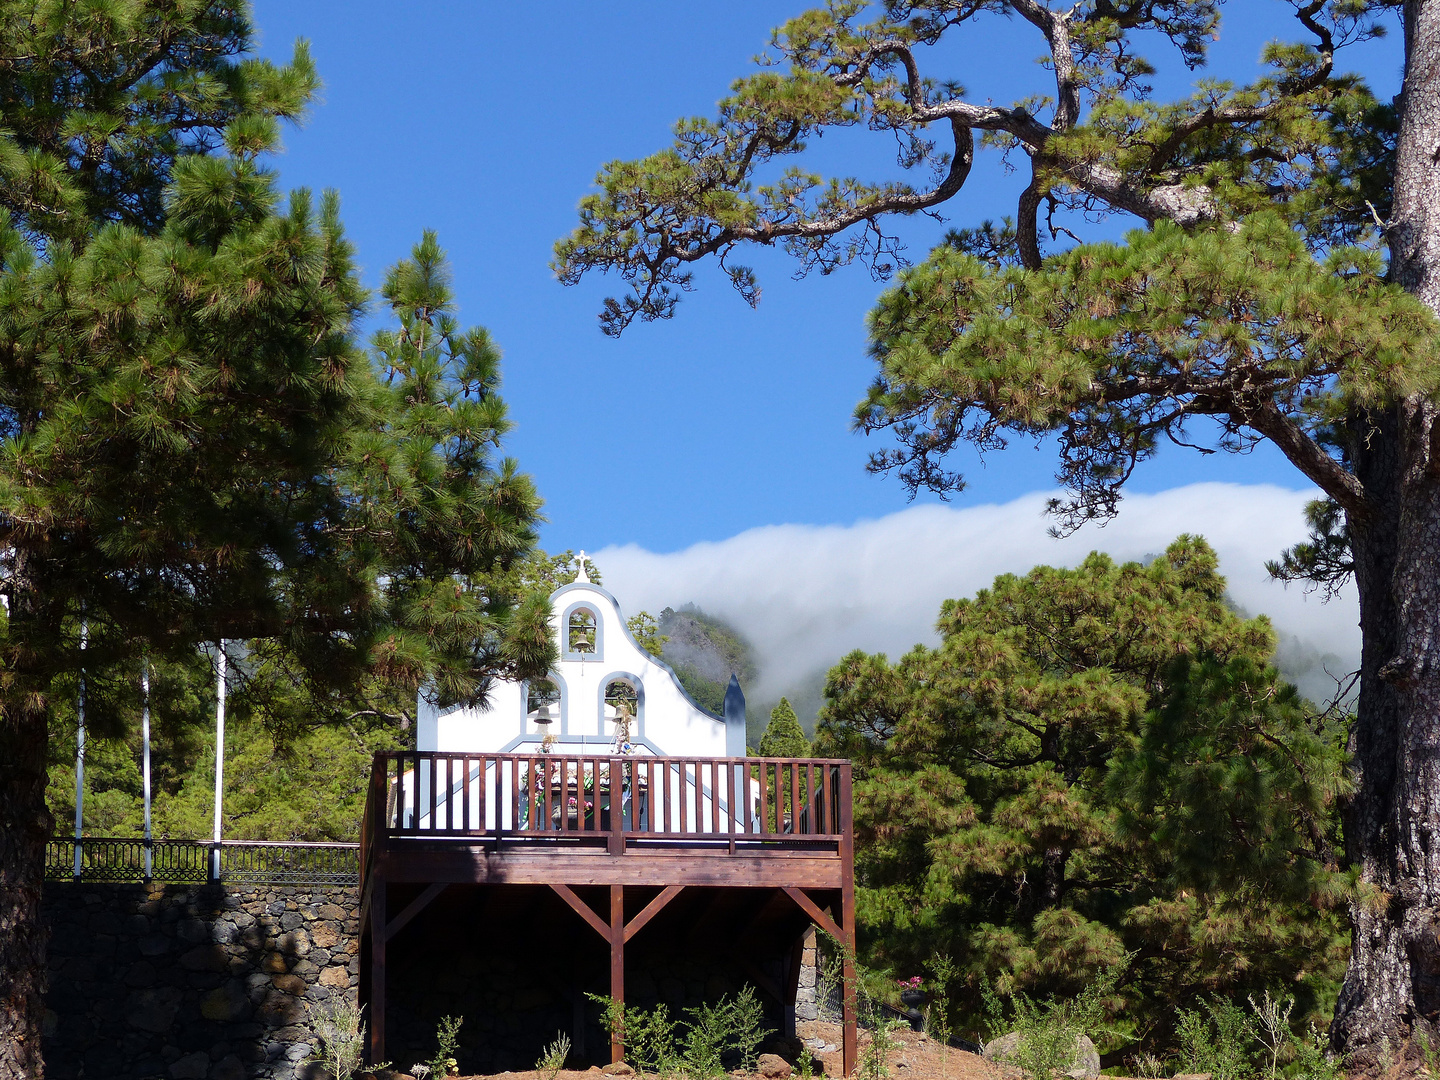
(917, 1058)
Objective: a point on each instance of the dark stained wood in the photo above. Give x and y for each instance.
(486, 865)
(764, 800)
(617, 960)
(584, 910)
(377, 973)
(419, 904)
(635, 925)
(820, 918)
(715, 797)
(850, 1036)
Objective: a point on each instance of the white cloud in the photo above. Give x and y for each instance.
(807, 594)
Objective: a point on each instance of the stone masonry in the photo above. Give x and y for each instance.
(193, 982)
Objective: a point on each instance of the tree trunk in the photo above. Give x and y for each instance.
(1393, 823)
(24, 827)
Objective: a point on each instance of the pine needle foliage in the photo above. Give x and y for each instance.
(1096, 766)
(783, 736)
(195, 445)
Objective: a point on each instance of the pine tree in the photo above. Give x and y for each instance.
(1096, 768)
(194, 445)
(1259, 300)
(783, 737)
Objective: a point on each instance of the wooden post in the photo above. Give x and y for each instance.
(617, 954)
(377, 972)
(850, 1036)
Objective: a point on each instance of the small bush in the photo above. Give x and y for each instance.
(694, 1047)
(1050, 1030)
(937, 1015)
(553, 1059)
(447, 1039)
(340, 1031)
(875, 1058)
(1218, 1040)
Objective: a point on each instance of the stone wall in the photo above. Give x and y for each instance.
(807, 1003)
(193, 982)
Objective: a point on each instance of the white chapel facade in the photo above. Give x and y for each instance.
(603, 688)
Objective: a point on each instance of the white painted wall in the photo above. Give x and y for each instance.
(669, 723)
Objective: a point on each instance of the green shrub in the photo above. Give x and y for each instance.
(1218, 1040)
(554, 1056)
(447, 1039)
(1049, 1030)
(693, 1047)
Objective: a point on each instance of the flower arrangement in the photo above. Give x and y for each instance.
(912, 983)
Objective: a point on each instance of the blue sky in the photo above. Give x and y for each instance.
(488, 123)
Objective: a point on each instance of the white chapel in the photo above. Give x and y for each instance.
(605, 695)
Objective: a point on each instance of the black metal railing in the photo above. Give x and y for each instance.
(241, 862)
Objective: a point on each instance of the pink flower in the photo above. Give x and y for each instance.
(912, 983)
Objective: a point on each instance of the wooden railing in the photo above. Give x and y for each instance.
(614, 801)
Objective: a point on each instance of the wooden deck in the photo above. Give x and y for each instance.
(569, 822)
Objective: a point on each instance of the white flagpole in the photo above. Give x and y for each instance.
(219, 758)
(145, 739)
(80, 752)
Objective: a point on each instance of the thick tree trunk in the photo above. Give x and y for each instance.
(24, 826)
(1393, 826)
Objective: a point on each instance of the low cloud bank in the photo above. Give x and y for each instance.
(807, 594)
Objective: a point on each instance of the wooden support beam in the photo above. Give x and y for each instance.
(815, 912)
(617, 963)
(377, 972)
(584, 910)
(365, 899)
(652, 909)
(850, 1032)
(419, 904)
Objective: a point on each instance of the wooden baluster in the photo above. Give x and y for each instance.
(668, 802)
(810, 798)
(481, 800)
(531, 819)
(764, 801)
(513, 803)
(412, 797)
(833, 794)
(588, 770)
(684, 792)
(649, 790)
(823, 794)
(714, 796)
(450, 763)
(780, 776)
(736, 817)
(580, 794)
(794, 796)
(430, 802)
(563, 765)
(464, 794)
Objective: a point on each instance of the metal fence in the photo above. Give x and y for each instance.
(240, 862)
